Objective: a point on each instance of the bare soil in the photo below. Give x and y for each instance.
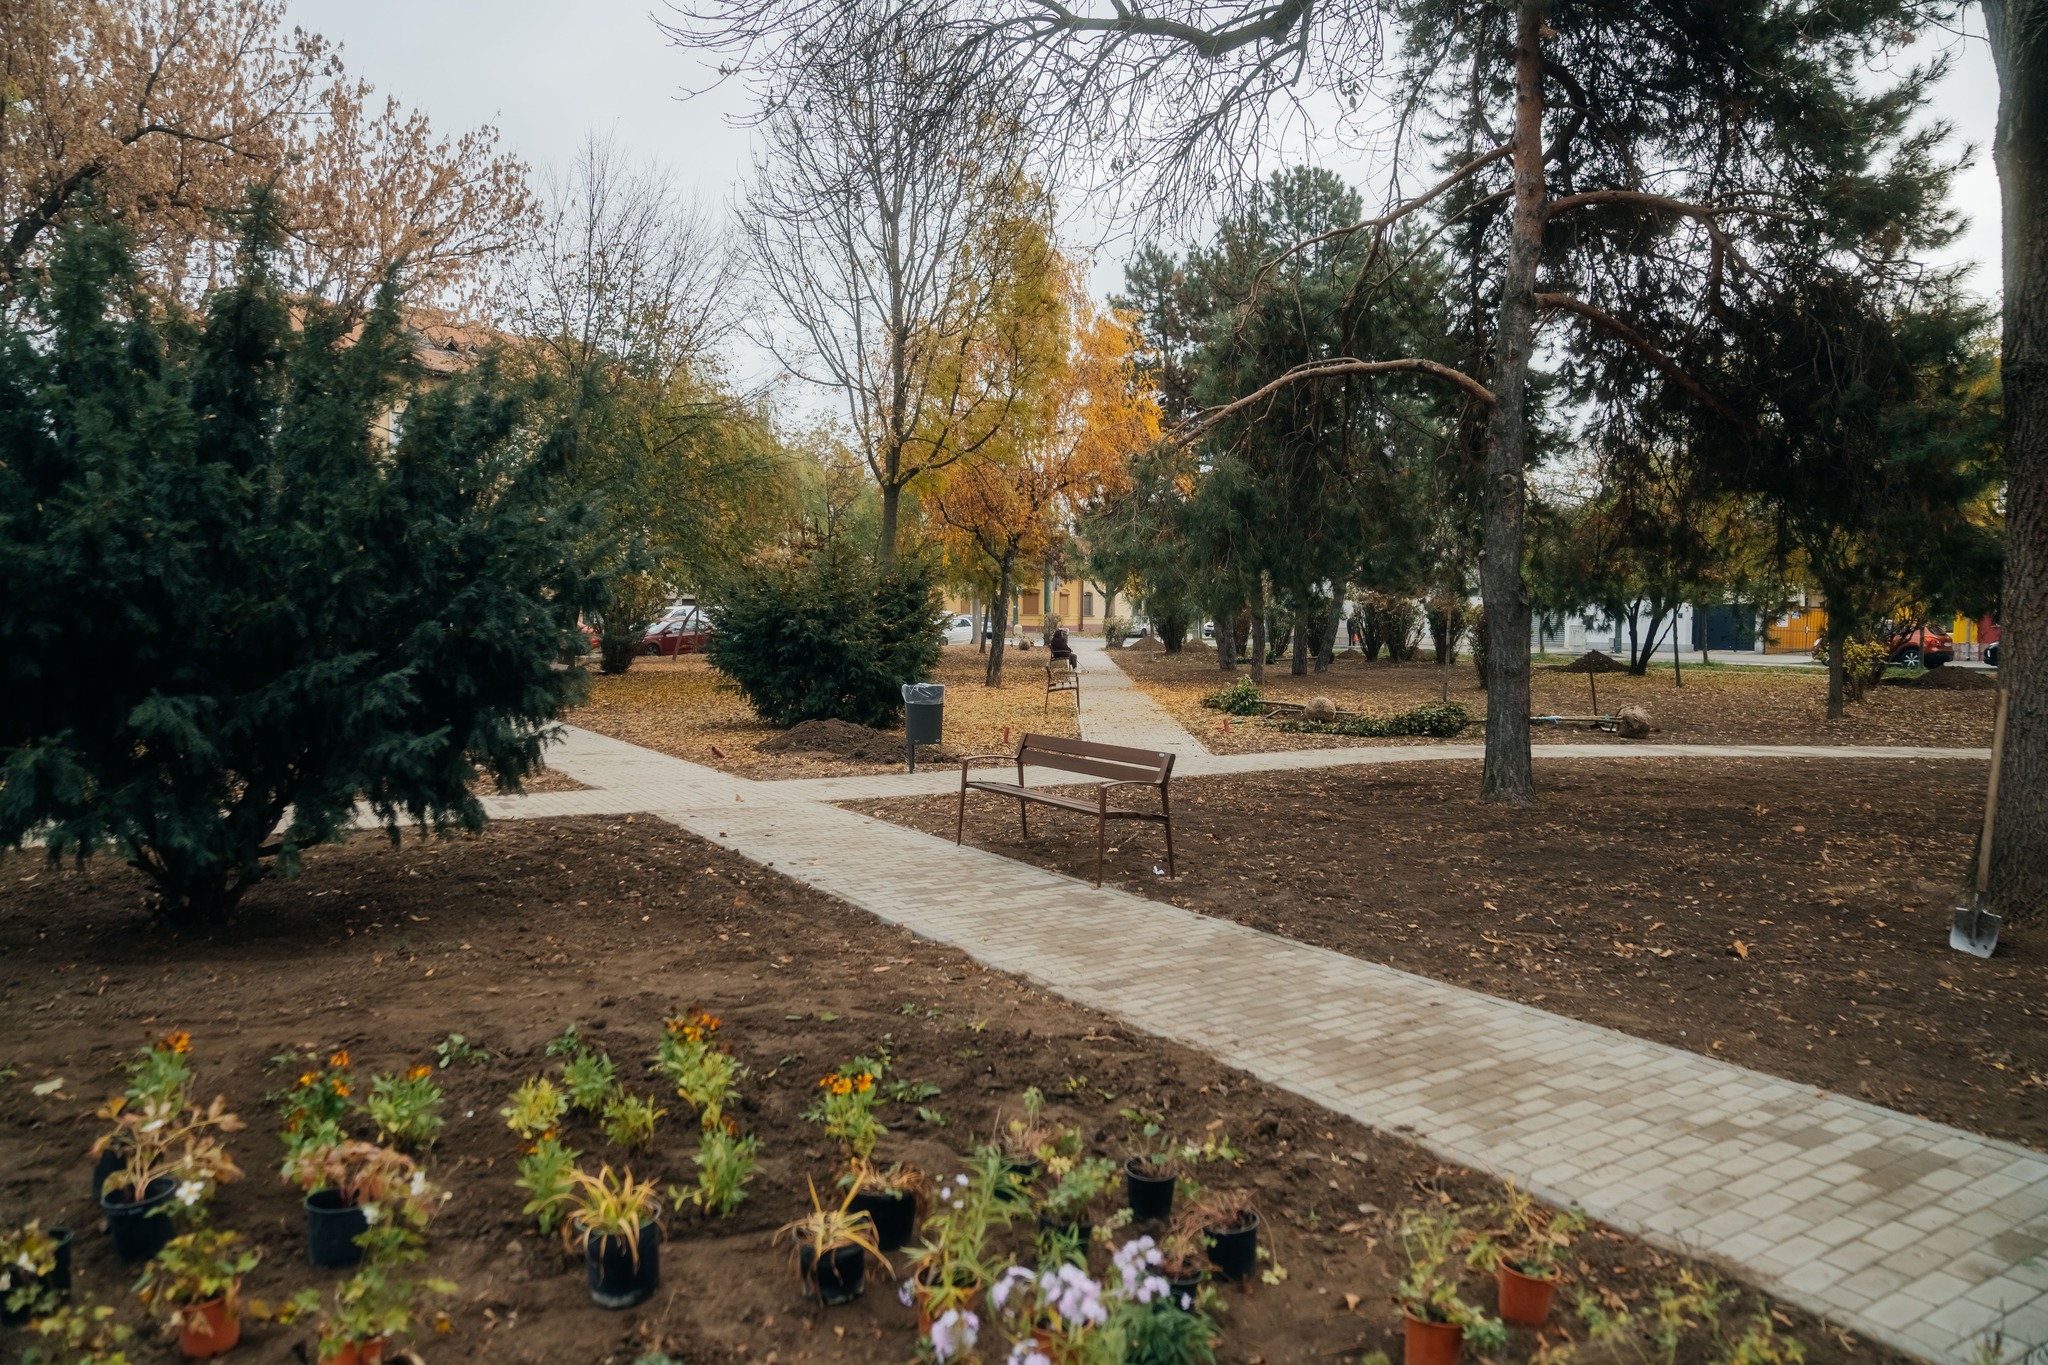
(509, 936)
(1722, 704)
(1786, 915)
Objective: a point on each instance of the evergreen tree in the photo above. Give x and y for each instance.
(232, 606)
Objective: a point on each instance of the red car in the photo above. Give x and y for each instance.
(1920, 647)
(684, 634)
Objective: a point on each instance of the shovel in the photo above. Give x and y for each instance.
(1975, 929)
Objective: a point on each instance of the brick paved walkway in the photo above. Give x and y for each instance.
(1910, 1232)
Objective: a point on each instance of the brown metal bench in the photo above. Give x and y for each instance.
(1117, 765)
(1062, 674)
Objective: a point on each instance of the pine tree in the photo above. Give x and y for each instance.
(232, 606)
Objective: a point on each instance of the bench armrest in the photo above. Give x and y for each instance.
(966, 759)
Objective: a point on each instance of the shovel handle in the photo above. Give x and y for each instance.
(1991, 798)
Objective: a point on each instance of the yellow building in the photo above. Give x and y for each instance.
(1076, 603)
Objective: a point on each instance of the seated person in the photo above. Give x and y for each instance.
(1057, 643)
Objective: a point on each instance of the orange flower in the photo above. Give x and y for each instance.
(308, 1078)
(179, 1042)
(863, 1082)
(339, 1058)
(825, 1081)
(341, 1089)
(420, 1072)
(841, 1086)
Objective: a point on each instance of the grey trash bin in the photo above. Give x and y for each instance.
(924, 716)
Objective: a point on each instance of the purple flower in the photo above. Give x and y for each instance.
(954, 1333)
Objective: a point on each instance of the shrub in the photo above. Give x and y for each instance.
(1115, 630)
(831, 639)
(230, 608)
(1863, 663)
(1444, 720)
(1241, 698)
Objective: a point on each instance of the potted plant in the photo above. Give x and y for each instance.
(198, 1278)
(1435, 1319)
(1064, 1214)
(1026, 1142)
(949, 1270)
(1524, 1250)
(348, 1185)
(169, 1155)
(162, 1072)
(890, 1198)
(378, 1302)
(1152, 1170)
(1226, 1224)
(830, 1249)
(35, 1272)
(406, 1109)
(1183, 1264)
(314, 1112)
(80, 1334)
(618, 1221)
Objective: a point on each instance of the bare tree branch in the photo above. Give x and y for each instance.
(1331, 369)
(1671, 369)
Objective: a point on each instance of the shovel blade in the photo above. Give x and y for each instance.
(1974, 931)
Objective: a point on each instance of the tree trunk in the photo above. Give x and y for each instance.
(993, 677)
(885, 550)
(1226, 642)
(1299, 665)
(2018, 30)
(1838, 637)
(1259, 633)
(1333, 621)
(1509, 774)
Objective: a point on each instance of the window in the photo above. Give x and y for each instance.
(1087, 605)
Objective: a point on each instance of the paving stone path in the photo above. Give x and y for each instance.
(1916, 1234)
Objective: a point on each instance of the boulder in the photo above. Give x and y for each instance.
(1634, 722)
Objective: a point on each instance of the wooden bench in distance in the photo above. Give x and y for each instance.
(1117, 765)
(1062, 674)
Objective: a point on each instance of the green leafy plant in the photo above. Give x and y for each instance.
(589, 1077)
(314, 1111)
(1077, 1188)
(1240, 698)
(725, 1164)
(629, 1121)
(846, 1109)
(536, 1107)
(823, 1231)
(406, 1109)
(830, 638)
(27, 1255)
(380, 1299)
(949, 1270)
(456, 1048)
(78, 1334)
(567, 1043)
(547, 1172)
(1655, 1333)
(1434, 720)
(1429, 1291)
(1760, 1344)
(703, 1072)
(194, 1268)
(1524, 1235)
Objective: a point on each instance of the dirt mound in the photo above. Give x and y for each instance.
(1945, 680)
(1592, 661)
(845, 740)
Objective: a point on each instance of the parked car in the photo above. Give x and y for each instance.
(959, 630)
(1919, 647)
(673, 635)
(589, 637)
(1991, 654)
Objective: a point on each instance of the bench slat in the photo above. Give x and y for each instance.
(1045, 798)
(1093, 767)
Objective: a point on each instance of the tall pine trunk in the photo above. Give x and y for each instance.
(1226, 641)
(2018, 30)
(1509, 775)
(1259, 628)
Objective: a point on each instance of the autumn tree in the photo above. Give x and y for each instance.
(166, 112)
(1079, 408)
(882, 217)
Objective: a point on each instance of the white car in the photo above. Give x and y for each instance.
(959, 630)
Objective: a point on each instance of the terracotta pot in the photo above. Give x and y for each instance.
(1525, 1299)
(1430, 1343)
(925, 1315)
(208, 1329)
(358, 1353)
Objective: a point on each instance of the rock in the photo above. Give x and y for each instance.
(1634, 722)
(1320, 708)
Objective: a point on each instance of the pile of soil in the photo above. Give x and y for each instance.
(508, 936)
(853, 743)
(1944, 680)
(1592, 661)
(1790, 916)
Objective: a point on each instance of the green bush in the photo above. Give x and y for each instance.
(1436, 721)
(1241, 698)
(831, 639)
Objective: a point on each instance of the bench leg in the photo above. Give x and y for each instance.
(960, 830)
(1101, 837)
(1166, 810)
(1024, 815)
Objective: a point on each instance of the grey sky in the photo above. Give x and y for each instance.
(547, 73)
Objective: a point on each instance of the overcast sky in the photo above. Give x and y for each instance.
(547, 73)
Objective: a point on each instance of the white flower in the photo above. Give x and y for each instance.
(954, 1333)
(190, 1192)
(371, 1213)
(6, 1279)
(960, 1180)
(905, 1292)
(419, 1183)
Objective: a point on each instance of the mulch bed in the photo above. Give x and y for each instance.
(509, 936)
(1790, 916)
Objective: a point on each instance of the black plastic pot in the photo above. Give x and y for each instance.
(1150, 1196)
(138, 1229)
(839, 1278)
(1235, 1253)
(894, 1213)
(110, 1161)
(617, 1280)
(1025, 1172)
(1073, 1232)
(1181, 1293)
(331, 1230)
(57, 1282)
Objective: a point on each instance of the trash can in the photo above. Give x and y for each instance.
(924, 716)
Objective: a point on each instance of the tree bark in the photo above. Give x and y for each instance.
(1333, 620)
(1226, 641)
(2018, 30)
(1509, 776)
(885, 551)
(993, 677)
(1838, 639)
(1298, 665)
(1259, 633)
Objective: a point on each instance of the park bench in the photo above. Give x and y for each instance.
(1115, 764)
(1061, 675)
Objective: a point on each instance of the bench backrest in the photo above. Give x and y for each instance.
(1113, 761)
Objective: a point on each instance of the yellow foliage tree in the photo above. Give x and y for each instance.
(1079, 408)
